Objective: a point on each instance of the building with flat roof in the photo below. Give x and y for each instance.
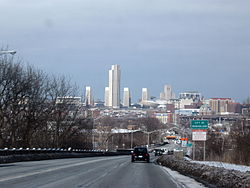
(145, 95)
(126, 97)
(220, 105)
(106, 97)
(114, 86)
(89, 101)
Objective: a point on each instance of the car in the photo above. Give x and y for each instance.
(159, 152)
(140, 154)
(170, 152)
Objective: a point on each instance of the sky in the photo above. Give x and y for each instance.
(192, 45)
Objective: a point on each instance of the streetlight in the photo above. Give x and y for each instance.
(150, 133)
(12, 52)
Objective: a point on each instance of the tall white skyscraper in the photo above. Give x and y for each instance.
(114, 86)
(162, 96)
(88, 96)
(145, 94)
(168, 92)
(126, 97)
(106, 97)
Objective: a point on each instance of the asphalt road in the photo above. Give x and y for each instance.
(95, 172)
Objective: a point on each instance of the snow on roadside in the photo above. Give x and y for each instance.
(181, 180)
(229, 166)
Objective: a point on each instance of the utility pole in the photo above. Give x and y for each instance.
(148, 138)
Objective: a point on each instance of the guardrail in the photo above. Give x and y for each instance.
(21, 151)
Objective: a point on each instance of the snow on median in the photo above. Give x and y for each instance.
(229, 166)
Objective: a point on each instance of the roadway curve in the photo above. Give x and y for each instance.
(95, 172)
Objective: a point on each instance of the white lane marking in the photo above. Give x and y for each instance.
(55, 168)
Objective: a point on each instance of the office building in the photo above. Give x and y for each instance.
(88, 96)
(168, 92)
(220, 105)
(114, 86)
(126, 97)
(145, 94)
(106, 97)
(162, 96)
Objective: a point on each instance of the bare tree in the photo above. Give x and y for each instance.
(37, 110)
(149, 124)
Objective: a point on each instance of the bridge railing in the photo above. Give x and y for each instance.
(22, 151)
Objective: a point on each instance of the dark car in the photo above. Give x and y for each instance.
(140, 154)
(159, 152)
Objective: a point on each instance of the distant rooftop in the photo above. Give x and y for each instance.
(221, 98)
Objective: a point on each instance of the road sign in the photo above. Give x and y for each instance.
(199, 136)
(189, 144)
(199, 124)
(183, 143)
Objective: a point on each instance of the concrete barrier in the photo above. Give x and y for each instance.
(18, 155)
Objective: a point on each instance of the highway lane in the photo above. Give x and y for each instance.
(95, 172)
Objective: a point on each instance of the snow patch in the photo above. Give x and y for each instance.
(229, 166)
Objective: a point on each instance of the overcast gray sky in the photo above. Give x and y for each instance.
(201, 45)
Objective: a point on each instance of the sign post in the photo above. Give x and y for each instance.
(204, 151)
(199, 133)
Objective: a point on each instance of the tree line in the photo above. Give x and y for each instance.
(233, 147)
(39, 110)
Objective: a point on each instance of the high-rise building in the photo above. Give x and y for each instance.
(220, 105)
(162, 96)
(88, 96)
(114, 86)
(126, 97)
(145, 94)
(106, 97)
(168, 92)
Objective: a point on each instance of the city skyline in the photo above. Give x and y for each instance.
(192, 45)
(114, 78)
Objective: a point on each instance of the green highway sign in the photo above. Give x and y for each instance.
(189, 144)
(199, 124)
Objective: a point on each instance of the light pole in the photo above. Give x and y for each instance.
(93, 140)
(12, 52)
(150, 133)
(131, 139)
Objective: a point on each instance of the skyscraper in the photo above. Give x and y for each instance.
(126, 97)
(145, 94)
(106, 97)
(162, 96)
(88, 96)
(167, 92)
(114, 86)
